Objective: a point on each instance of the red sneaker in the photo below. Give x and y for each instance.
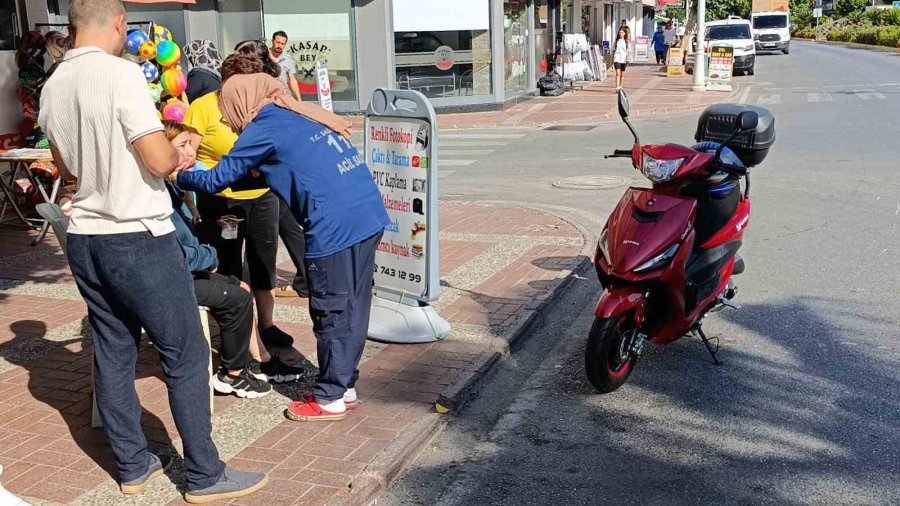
(309, 410)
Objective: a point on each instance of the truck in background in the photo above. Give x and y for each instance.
(771, 24)
(771, 31)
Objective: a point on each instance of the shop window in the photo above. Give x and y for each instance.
(317, 31)
(443, 49)
(515, 38)
(9, 25)
(543, 46)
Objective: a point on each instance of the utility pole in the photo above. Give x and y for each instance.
(700, 55)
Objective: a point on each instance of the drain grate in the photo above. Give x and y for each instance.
(591, 182)
(571, 128)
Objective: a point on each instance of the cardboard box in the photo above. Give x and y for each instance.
(771, 6)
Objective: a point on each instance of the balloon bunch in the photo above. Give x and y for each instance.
(160, 57)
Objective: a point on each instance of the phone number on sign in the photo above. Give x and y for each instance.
(394, 273)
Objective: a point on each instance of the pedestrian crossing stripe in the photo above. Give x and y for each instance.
(819, 97)
(769, 98)
(868, 94)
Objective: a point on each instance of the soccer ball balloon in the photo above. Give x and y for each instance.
(134, 41)
(148, 50)
(150, 72)
(162, 33)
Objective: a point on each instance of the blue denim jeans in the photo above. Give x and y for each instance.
(131, 281)
(340, 300)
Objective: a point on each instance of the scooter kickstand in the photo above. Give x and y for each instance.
(698, 331)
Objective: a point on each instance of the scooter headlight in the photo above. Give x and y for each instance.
(660, 171)
(658, 261)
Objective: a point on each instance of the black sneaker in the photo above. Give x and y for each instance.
(274, 336)
(275, 371)
(245, 386)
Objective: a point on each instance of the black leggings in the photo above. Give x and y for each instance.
(232, 307)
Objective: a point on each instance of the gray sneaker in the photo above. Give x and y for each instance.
(158, 466)
(231, 485)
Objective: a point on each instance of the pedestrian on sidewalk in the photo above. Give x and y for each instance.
(659, 45)
(669, 35)
(304, 154)
(620, 57)
(289, 230)
(122, 250)
(257, 207)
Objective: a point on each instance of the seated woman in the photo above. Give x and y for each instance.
(247, 367)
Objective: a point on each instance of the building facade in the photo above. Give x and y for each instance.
(462, 54)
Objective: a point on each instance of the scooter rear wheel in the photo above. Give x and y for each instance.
(603, 356)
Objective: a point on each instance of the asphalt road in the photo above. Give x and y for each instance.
(806, 409)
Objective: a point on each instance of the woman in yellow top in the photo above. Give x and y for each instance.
(257, 209)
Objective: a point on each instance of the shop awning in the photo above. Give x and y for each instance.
(191, 2)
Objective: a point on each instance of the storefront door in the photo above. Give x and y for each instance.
(515, 41)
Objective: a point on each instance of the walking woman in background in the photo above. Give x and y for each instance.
(620, 58)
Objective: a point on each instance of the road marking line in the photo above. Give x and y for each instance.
(482, 136)
(444, 173)
(745, 94)
(464, 152)
(455, 163)
(868, 94)
(771, 98)
(819, 97)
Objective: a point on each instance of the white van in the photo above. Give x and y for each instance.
(772, 31)
(734, 32)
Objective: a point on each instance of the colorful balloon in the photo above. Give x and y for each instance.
(150, 71)
(173, 82)
(134, 41)
(167, 53)
(175, 111)
(162, 33)
(155, 92)
(148, 50)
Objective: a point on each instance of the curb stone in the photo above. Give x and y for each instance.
(365, 489)
(855, 45)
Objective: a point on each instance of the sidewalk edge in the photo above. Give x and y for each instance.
(855, 45)
(390, 463)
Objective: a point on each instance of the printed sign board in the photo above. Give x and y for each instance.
(675, 62)
(721, 67)
(400, 154)
(642, 49)
(401, 144)
(323, 86)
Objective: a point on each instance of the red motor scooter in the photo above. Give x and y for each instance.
(668, 253)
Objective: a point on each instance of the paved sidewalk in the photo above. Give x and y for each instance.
(650, 93)
(500, 265)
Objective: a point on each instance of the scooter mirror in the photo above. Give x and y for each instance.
(623, 104)
(747, 121)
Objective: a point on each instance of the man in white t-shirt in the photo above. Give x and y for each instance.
(285, 61)
(105, 131)
(669, 35)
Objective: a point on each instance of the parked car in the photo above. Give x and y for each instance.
(772, 31)
(734, 32)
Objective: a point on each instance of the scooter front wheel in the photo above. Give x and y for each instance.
(607, 360)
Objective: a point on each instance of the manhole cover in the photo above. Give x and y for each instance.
(591, 182)
(571, 128)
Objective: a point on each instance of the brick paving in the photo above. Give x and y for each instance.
(650, 93)
(498, 265)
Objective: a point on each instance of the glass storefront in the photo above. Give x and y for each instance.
(8, 28)
(317, 31)
(515, 38)
(443, 49)
(543, 46)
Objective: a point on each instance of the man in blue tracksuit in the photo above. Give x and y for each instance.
(329, 189)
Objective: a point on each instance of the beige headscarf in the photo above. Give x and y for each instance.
(244, 95)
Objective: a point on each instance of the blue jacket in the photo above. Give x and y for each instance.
(200, 257)
(659, 42)
(323, 179)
